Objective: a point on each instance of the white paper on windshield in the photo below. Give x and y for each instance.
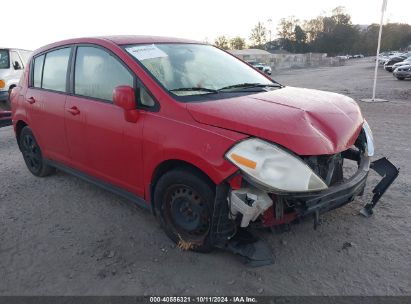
(143, 52)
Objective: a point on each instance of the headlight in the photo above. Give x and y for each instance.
(369, 137)
(273, 167)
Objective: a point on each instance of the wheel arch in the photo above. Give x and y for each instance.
(19, 126)
(12, 86)
(172, 164)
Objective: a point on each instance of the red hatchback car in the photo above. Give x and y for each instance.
(206, 141)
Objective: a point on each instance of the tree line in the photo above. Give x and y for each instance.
(333, 34)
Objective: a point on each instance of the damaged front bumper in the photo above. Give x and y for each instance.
(339, 195)
(335, 196)
(240, 203)
(250, 204)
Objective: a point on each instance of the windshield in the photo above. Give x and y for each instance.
(194, 69)
(4, 59)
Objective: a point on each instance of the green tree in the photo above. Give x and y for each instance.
(300, 38)
(286, 26)
(237, 43)
(292, 36)
(335, 34)
(221, 42)
(313, 28)
(258, 35)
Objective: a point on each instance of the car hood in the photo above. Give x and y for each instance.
(308, 122)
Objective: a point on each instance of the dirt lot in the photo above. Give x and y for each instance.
(62, 236)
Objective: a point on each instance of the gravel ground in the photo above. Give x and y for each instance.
(62, 236)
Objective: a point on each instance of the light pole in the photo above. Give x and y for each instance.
(269, 21)
(373, 99)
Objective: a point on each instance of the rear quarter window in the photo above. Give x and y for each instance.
(37, 71)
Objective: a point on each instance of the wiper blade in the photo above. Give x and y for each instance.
(249, 85)
(195, 89)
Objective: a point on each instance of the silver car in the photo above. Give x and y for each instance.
(12, 63)
(398, 64)
(402, 72)
(261, 66)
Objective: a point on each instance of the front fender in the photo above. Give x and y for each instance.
(201, 146)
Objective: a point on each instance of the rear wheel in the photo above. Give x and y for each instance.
(32, 154)
(184, 201)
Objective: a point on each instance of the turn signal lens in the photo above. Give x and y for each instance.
(2, 84)
(244, 161)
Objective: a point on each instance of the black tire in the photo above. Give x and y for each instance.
(400, 78)
(32, 154)
(184, 202)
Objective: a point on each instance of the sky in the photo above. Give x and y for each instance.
(40, 22)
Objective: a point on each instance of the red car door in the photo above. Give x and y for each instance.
(45, 99)
(99, 138)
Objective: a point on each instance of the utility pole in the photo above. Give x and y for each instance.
(269, 21)
(373, 99)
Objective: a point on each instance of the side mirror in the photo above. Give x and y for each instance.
(16, 65)
(124, 97)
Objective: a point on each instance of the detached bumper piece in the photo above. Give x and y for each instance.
(389, 173)
(226, 235)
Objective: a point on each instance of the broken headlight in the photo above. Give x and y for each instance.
(273, 167)
(369, 137)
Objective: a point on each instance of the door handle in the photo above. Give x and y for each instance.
(73, 111)
(31, 100)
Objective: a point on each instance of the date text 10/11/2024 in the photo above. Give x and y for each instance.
(203, 299)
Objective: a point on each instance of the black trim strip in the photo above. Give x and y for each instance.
(114, 189)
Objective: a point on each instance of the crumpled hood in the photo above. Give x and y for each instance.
(308, 122)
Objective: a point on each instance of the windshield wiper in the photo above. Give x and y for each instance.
(195, 89)
(249, 85)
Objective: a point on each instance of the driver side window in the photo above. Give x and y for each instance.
(97, 73)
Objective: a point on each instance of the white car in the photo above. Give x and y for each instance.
(12, 63)
(262, 67)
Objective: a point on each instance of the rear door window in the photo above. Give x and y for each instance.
(97, 73)
(55, 70)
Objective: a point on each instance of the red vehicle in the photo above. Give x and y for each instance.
(5, 118)
(211, 145)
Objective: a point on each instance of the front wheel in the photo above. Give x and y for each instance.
(32, 154)
(184, 202)
(400, 78)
